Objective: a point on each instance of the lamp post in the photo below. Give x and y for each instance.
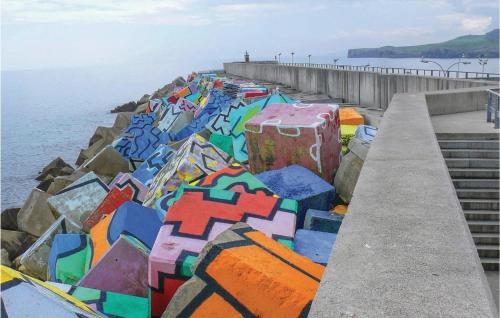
(292, 56)
(309, 57)
(279, 57)
(482, 61)
(446, 73)
(335, 61)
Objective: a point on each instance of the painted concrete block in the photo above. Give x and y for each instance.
(24, 296)
(304, 134)
(315, 245)
(350, 116)
(196, 217)
(366, 133)
(36, 257)
(221, 124)
(122, 269)
(123, 188)
(347, 132)
(195, 159)
(173, 118)
(234, 178)
(80, 198)
(153, 164)
(35, 217)
(107, 162)
(130, 218)
(109, 303)
(243, 273)
(225, 143)
(323, 221)
(300, 184)
(134, 163)
(70, 258)
(239, 117)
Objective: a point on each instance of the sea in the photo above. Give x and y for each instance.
(51, 113)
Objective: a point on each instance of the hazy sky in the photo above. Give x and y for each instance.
(67, 33)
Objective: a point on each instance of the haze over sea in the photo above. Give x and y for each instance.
(50, 113)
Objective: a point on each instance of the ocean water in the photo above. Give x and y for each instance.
(51, 113)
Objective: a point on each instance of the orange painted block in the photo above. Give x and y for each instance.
(243, 273)
(350, 116)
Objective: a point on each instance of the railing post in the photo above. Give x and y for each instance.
(488, 108)
(497, 115)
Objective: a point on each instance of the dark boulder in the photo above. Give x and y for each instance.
(127, 107)
(57, 167)
(9, 219)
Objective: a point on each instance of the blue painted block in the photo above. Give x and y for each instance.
(314, 245)
(366, 133)
(301, 184)
(323, 221)
(153, 164)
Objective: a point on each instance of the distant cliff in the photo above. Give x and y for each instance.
(471, 45)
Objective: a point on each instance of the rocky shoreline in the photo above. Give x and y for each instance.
(208, 177)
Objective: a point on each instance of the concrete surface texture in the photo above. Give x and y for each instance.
(404, 249)
(464, 123)
(364, 88)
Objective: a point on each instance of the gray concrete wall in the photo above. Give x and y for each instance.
(368, 89)
(457, 101)
(404, 248)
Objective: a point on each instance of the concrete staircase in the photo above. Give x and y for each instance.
(473, 163)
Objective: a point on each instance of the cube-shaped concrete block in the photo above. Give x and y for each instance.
(35, 217)
(107, 162)
(315, 245)
(70, 258)
(300, 184)
(323, 221)
(153, 164)
(304, 134)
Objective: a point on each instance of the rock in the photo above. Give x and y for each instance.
(107, 162)
(315, 245)
(143, 99)
(54, 168)
(122, 120)
(106, 133)
(5, 258)
(9, 219)
(200, 214)
(323, 221)
(45, 184)
(179, 81)
(35, 217)
(303, 134)
(62, 182)
(350, 168)
(267, 278)
(34, 260)
(298, 183)
(141, 108)
(16, 242)
(165, 90)
(86, 154)
(23, 296)
(80, 198)
(123, 269)
(127, 107)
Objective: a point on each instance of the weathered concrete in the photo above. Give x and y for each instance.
(404, 248)
(473, 122)
(369, 89)
(457, 100)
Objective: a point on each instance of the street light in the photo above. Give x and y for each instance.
(279, 57)
(292, 56)
(309, 56)
(423, 60)
(335, 61)
(482, 61)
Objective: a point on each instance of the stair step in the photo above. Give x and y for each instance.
(470, 153)
(467, 136)
(489, 264)
(477, 193)
(479, 204)
(481, 215)
(486, 238)
(483, 226)
(488, 251)
(469, 144)
(476, 183)
(474, 173)
(472, 163)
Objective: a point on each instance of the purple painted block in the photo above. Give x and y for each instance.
(123, 269)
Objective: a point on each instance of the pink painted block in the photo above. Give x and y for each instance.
(287, 134)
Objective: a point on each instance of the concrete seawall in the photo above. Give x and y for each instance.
(368, 89)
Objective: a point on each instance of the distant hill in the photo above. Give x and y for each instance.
(470, 45)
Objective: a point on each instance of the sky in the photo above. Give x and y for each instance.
(52, 34)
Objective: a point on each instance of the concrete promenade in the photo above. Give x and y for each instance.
(404, 249)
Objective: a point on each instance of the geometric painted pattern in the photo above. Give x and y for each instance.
(153, 164)
(221, 124)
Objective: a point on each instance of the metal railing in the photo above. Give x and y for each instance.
(493, 107)
(401, 71)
